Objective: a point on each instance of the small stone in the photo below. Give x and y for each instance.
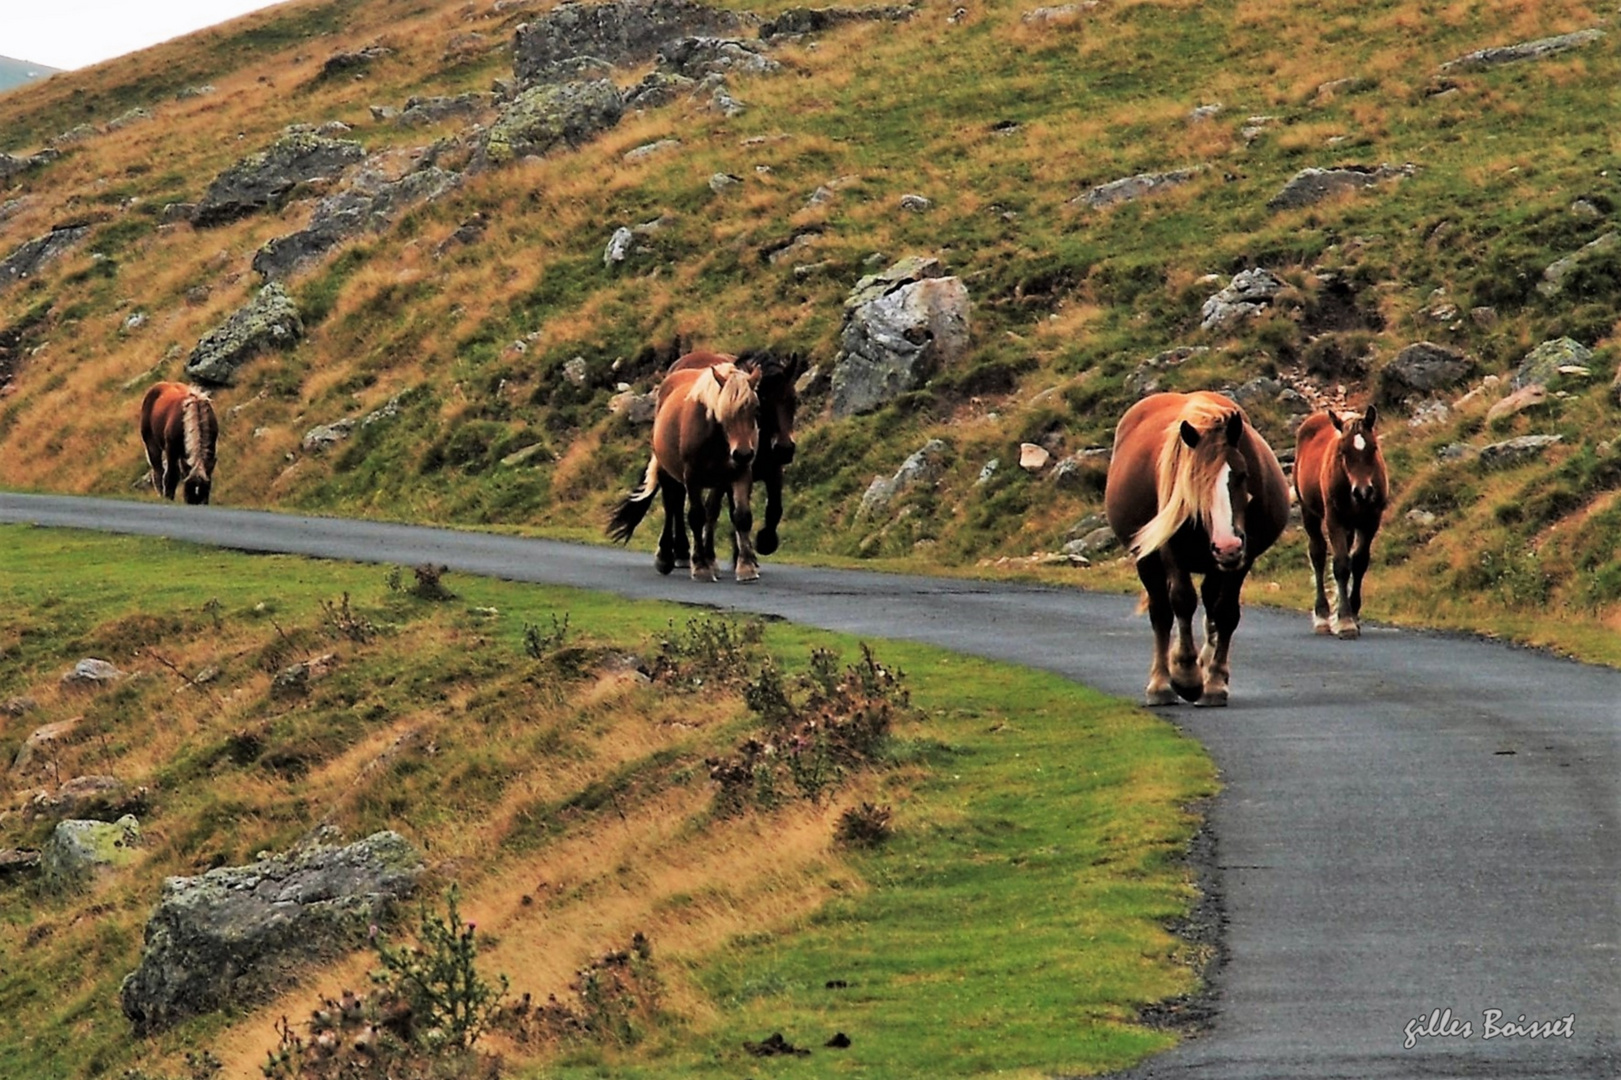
(917, 204)
(92, 672)
(722, 181)
(1032, 457)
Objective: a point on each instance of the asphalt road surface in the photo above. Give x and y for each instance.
(1419, 839)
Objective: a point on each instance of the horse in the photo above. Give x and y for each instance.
(179, 430)
(1342, 485)
(779, 405)
(1193, 488)
(705, 436)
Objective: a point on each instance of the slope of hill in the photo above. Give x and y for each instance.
(17, 72)
(488, 331)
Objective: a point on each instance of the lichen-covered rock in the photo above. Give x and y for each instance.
(97, 797)
(236, 935)
(922, 467)
(1421, 368)
(657, 89)
(28, 259)
(1543, 365)
(816, 20)
(1512, 452)
(323, 437)
(1133, 187)
(618, 32)
(900, 327)
(370, 204)
(78, 850)
(269, 321)
(265, 179)
(1528, 50)
(1553, 277)
(1310, 186)
(1245, 296)
(11, 165)
(546, 117)
(697, 57)
(421, 111)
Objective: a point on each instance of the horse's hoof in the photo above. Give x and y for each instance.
(1214, 699)
(682, 562)
(704, 573)
(1320, 626)
(1188, 691)
(766, 542)
(663, 565)
(748, 575)
(1348, 631)
(1162, 696)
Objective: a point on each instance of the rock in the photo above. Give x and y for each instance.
(295, 679)
(265, 179)
(190, 92)
(1553, 278)
(466, 46)
(917, 204)
(91, 672)
(1047, 16)
(544, 118)
(900, 327)
(576, 371)
(620, 32)
(1314, 185)
(697, 57)
(12, 207)
(1257, 390)
(40, 743)
(1204, 112)
(618, 246)
(369, 204)
(647, 150)
(1456, 452)
(1543, 365)
(1133, 187)
(524, 456)
(124, 120)
(721, 181)
(18, 706)
(1423, 367)
(269, 321)
(987, 472)
(634, 407)
(816, 20)
(1145, 378)
(422, 111)
(657, 89)
(11, 165)
(1245, 296)
(1099, 541)
(18, 863)
(87, 797)
(1033, 458)
(1529, 50)
(1085, 471)
(347, 63)
(30, 258)
(1422, 518)
(1524, 398)
(1518, 451)
(79, 850)
(323, 437)
(383, 113)
(923, 467)
(236, 936)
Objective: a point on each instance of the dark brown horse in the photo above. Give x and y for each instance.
(1343, 487)
(705, 436)
(779, 405)
(1193, 489)
(179, 430)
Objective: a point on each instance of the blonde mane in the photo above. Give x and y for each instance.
(1185, 476)
(727, 396)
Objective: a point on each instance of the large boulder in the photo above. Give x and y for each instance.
(1544, 364)
(1553, 277)
(1512, 452)
(269, 321)
(900, 327)
(79, 850)
(1526, 50)
(796, 21)
(1247, 295)
(27, 260)
(546, 117)
(619, 32)
(1133, 187)
(923, 467)
(264, 180)
(1423, 368)
(1310, 186)
(236, 935)
(12, 165)
(697, 57)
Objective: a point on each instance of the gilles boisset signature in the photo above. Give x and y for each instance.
(1441, 1024)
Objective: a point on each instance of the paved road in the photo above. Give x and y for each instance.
(1410, 823)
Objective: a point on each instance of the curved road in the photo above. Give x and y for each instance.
(1410, 823)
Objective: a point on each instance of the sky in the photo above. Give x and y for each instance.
(76, 33)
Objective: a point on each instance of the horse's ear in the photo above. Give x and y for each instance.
(1190, 435)
(1370, 418)
(755, 374)
(1235, 428)
(1334, 418)
(714, 373)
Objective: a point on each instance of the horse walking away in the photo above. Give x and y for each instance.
(779, 405)
(1193, 489)
(179, 430)
(1342, 484)
(705, 436)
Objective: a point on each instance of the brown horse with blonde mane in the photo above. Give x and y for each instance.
(1341, 480)
(179, 430)
(705, 436)
(1193, 489)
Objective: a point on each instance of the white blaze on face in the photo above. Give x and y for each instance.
(1223, 536)
(1360, 443)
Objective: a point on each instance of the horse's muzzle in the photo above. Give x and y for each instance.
(742, 457)
(1229, 556)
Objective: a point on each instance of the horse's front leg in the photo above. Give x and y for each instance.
(1184, 658)
(1161, 618)
(1361, 556)
(766, 542)
(1317, 551)
(1221, 593)
(702, 523)
(673, 551)
(154, 462)
(1344, 622)
(745, 564)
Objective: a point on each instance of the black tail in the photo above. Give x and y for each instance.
(629, 513)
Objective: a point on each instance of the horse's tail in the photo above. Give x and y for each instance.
(200, 430)
(629, 513)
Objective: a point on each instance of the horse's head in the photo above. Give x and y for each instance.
(779, 401)
(1359, 452)
(1218, 476)
(737, 411)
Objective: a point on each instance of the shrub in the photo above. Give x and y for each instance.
(450, 1002)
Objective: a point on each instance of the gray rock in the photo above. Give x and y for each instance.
(78, 133)
(1314, 185)
(294, 679)
(917, 204)
(421, 111)
(11, 165)
(923, 467)
(657, 89)
(269, 321)
(10, 208)
(1553, 278)
(18, 706)
(987, 472)
(264, 180)
(545, 118)
(1257, 390)
(1087, 524)
(33, 256)
(1133, 187)
(1099, 541)
(323, 437)
(698, 57)
(195, 92)
(92, 672)
(40, 743)
(1529, 50)
(1422, 368)
(79, 850)
(816, 20)
(900, 327)
(383, 113)
(18, 863)
(1424, 519)
(620, 32)
(87, 797)
(1456, 452)
(1245, 296)
(1518, 451)
(619, 245)
(1046, 16)
(124, 120)
(577, 371)
(721, 181)
(1082, 471)
(1205, 112)
(634, 407)
(236, 936)
(647, 150)
(370, 204)
(724, 103)
(1145, 378)
(348, 63)
(1543, 365)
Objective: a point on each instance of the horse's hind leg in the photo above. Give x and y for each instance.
(1317, 551)
(766, 542)
(702, 523)
(1159, 690)
(672, 551)
(1220, 593)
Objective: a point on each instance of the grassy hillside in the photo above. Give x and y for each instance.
(1016, 918)
(1000, 121)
